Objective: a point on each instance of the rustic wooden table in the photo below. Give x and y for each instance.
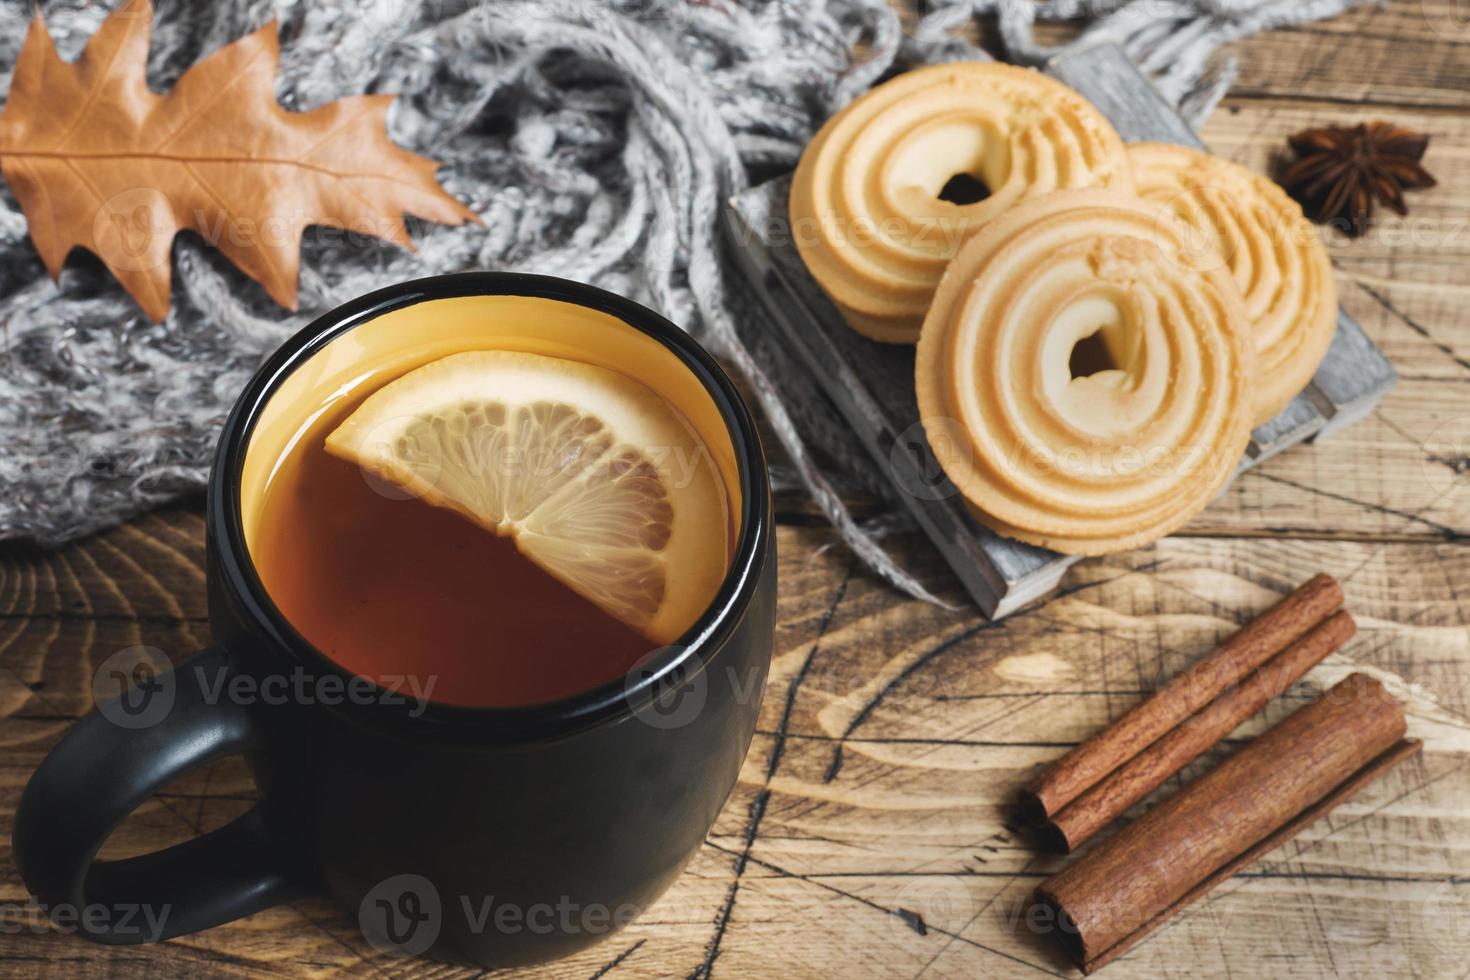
(868, 834)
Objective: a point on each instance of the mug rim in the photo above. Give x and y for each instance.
(607, 702)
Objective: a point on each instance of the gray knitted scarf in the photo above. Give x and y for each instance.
(596, 140)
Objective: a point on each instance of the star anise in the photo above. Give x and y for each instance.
(1341, 172)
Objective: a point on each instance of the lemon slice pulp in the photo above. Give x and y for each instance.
(599, 480)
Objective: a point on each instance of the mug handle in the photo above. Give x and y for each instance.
(98, 774)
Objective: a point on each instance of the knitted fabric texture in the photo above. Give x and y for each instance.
(597, 141)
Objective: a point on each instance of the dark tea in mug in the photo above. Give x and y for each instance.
(505, 520)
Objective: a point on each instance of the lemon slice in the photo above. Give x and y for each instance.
(598, 479)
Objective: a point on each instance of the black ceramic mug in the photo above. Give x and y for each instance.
(500, 835)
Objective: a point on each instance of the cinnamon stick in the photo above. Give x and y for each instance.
(1398, 752)
(1085, 816)
(1123, 889)
(1244, 652)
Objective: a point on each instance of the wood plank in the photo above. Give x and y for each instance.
(148, 569)
(905, 736)
(1393, 56)
(907, 820)
(872, 386)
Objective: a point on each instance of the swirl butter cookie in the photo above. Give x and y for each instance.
(869, 209)
(1271, 249)
(1084, 388)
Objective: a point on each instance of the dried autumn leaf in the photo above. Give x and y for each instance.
(98, 161)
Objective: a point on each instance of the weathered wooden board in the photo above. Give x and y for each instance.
(868, 836)
(1406, 54)
(872, 384)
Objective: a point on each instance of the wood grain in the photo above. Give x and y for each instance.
(868, 836)
(871, 820)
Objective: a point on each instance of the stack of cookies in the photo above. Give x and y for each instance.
(1099, 326)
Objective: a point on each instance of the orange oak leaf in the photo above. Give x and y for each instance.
(100, 162)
